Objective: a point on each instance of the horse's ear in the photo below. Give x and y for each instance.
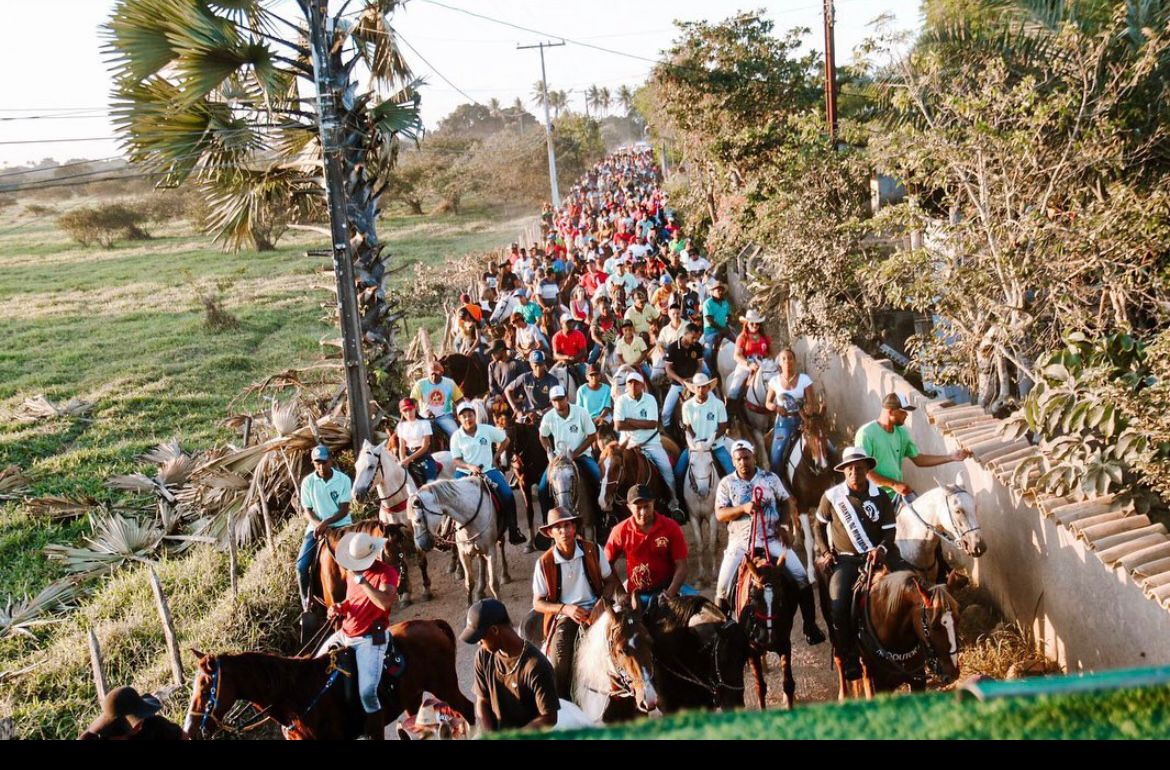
(198, 655)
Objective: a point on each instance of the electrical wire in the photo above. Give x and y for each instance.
(435, 70)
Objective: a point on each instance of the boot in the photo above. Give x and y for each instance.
(515, 536)
(808, 613)
(375, 729)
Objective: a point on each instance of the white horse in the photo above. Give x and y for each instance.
(468, 503)
(613, 665)
(698, 490)
(561, 372)
(945, 513)
(755, 396)
(565, 488)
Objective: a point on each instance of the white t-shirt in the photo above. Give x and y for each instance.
(574, 583)
(796, 393)
(669, 334)
(413, 432)
(704, 418)
(645, 408)
(693, 264)
(529, 338)
(567, 430)
(549, 290)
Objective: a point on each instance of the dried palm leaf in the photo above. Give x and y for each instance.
(40, 408)
(284, 417)
(61, 507)
(176, 471)
(163, 453)
(141, 484)
(116, 540)
(18, 618)
(13, 482)
(223, 480)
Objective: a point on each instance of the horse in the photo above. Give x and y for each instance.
(904, 629)
(699, 654)
(755, 395)
(395, 485)
(765, 602)
(398, 543)
(528, 459)
(698, 491)
(468, 372)
(312, 698)
(565, 485)
(808, 471)
(561, 372)
(945, 514)
(622, 467)
(613, 667)
(468, 503)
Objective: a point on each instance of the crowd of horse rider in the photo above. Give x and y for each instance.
(612, 342)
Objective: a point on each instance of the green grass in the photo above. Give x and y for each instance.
(120, 327)
(1132, 713)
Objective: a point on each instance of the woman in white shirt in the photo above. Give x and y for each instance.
(414, 443)
(787, 393)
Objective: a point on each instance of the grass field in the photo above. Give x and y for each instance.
(121, 327)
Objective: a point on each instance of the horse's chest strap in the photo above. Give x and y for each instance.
(398, 507)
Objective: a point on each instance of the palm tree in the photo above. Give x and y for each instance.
(221, 96)
(538, 97)
(592, 99)
(626, 99)
(604, 100)
(558, 100)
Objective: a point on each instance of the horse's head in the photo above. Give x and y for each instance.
(768, 370)
(701, 466)
(612, 465)
(422, 506)
(937, 629)
(563, 482)
(961, 522)
(365, 469)
(815, 432)
(631, 650)
(768, 620)
(212, 696)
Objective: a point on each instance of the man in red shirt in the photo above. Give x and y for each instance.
(593, 278)
(371, 589)
(569, 347)
(654, 546)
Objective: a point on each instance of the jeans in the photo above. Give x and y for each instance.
(734, 554)
(577, 372)
(736, 380)
(560, 648)
(670, 403)
(711, 342)
(447, 423)
(305, 564)
(369, 659)
(684, 590)
(656, 454)
(722, 461)
(507, 497)
(782, 434)
(424, 470)
(594, 354)
(591, 474)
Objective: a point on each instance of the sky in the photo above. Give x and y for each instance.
(68, 92)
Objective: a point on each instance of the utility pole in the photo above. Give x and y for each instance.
(326, 71)
(552, 155)
(830, 74)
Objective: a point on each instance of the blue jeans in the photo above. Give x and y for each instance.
(684, 590)
(594, 353)
(425, 468)
(305, 563)
(782, 434)
(447, 423)
(507, 498)
(670, 403)
(722, 460)
(588, 468)
(711, 342)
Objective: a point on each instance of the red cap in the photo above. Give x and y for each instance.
(407, 403)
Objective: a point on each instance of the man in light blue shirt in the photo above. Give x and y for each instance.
(594, 397)
(472, 454)
(636, 419)
(705, 420)
(325, 496)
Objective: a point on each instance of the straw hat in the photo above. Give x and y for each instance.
(358, 550)
(752, 317)
(558, 515)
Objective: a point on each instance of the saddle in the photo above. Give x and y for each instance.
(393, 667)
(908, 662)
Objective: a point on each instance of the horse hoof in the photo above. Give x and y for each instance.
(427, 595)
(405, 601)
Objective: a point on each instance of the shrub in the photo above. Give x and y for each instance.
(104, 224)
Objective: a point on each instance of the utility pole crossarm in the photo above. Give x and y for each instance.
(548, 136)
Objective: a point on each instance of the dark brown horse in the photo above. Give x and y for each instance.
(765, 603)
(905, 631)
(399, 544)
(527, 457)
(309, 697)
(468, 372)
(623, 467)
(808, 472)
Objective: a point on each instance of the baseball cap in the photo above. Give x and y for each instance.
(522, 292)
(320, 452)
(556, 391)
(635, 377)
(407, 403)
(499, 345)
(894, 401)
(742, 444)
(464, 406)
(481, 616)
(639, 492)
(536, 357)
(593, 368)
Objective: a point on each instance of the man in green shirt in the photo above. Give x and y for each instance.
(888, 442)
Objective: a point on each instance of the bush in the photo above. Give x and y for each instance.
(104, 224)
(39, 210)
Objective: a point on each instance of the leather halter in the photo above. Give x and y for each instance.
(418, 503)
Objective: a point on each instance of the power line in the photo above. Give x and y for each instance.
(54, 141)
(47, 169)
(435, 70)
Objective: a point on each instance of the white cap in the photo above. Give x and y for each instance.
(701, 379)
(556, 391)
(635, 377)
(464, 406)
(741, 444)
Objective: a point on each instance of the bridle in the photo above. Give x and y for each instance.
(416, 502)
(695, 482)
(571, 492)
(941, 532)
(384, 500)
(688, 676)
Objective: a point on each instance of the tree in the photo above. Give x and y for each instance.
(538, 95)
(604, 100)
(219, 95)
(593, 99)
(558, 100)
(625, 98)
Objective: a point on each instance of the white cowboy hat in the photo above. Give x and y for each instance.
(428, 716)
(741, 444)
(852, 455)
(752, 317)
(358, 550)
(701, 379)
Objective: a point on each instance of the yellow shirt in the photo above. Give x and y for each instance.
(642, 318)
(632, 351)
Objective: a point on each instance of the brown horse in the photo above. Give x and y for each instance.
(468, 372)
(528, 458)
(399, 543)
(765, 603)
(309, 697)
(623, 467)
(905, 631)
(808, 471)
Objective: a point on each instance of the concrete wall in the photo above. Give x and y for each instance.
(1086, 615)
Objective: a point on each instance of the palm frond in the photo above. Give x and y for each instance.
(115, 540)
(13, 482)
(61, 507)
(19, 618)
(285, 418)
(377, 43)
(40, 408)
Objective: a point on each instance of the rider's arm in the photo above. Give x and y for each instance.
(732, 512)
(383, 597)
(740, 358)
(501, 449)
(342, 512)
(420, 453)
(680, 576)
(882, 481)
(721, 429)
(929, 461)
(510, 392)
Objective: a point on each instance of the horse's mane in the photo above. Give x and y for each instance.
(887, 592)
(591, 663)
(675, 614)
(446, 491)
(270, 669)
(369, 526)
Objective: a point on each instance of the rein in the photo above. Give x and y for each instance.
(689, 676)
(450, 540)
(939, 531)
(694, 483)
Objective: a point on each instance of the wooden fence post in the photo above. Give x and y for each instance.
(95, 662)
(164, 613)
(232, 558)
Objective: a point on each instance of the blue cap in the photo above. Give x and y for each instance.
(665, 279)
(536, 357)
(320, 452)
(522, 292)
